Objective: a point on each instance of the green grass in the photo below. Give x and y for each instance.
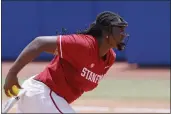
(132, 89)
(129, 90)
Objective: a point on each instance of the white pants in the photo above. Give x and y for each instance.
(40, 99)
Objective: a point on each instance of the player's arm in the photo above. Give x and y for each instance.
(29, 53)
(33, 49)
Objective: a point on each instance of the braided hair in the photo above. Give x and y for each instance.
(104, 22)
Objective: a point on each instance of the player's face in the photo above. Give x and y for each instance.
(117, 36)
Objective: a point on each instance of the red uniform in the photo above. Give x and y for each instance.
(77, 68)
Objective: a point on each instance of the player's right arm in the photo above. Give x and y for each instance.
(30, 52)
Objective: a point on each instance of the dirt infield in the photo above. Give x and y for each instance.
(123, 71)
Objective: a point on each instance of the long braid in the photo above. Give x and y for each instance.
(103, 22)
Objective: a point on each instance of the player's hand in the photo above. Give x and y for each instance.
(10, 81)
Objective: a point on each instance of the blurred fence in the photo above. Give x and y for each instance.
(149, 26)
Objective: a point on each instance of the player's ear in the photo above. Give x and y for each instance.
(105, 34)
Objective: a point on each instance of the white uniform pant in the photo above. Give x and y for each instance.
(40, 99)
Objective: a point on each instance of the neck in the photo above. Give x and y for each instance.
(103, 48)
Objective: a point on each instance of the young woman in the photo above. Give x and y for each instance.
(81, 61)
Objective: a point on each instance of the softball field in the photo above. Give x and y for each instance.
(125, 88)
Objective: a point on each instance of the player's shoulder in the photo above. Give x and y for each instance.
(84, 37)
(84, 41)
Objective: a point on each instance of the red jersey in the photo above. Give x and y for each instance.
(77, 68)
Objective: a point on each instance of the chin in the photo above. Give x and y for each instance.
(121, 46)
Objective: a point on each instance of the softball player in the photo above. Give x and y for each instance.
(81, 60)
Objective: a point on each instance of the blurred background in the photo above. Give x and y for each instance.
(132, 86)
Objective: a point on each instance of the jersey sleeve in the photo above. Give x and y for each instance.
(72, 48)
